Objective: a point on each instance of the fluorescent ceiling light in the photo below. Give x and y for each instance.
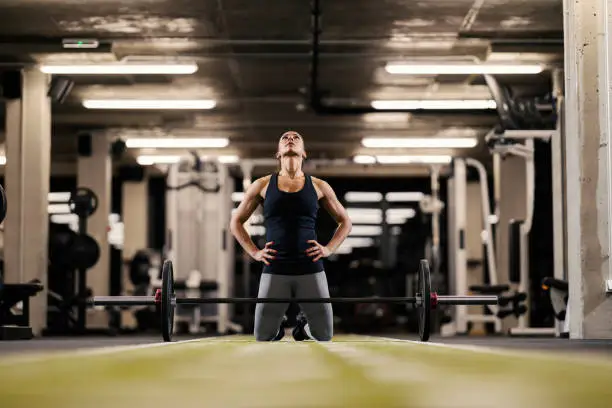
(433, 159)
(343, 250)
(364, 159)
(157, 159)
(174, 104)
(148, 160)
(461, 69)
(401, 212)
(429, 104)
(231, 159)
(404, 196)
(366, 230)
(365, 215)
(362, 197)
(413, 142)
(177, 143)
(356, 242)
(369, 219)
(121, 69)
(429, 159)
(375, 197)
(363, 211)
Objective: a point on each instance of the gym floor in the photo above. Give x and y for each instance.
(351, 371)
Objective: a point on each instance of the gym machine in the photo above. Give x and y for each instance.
(520, 143)
(198, 203)
(457, 245)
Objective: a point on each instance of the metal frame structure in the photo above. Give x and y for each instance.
(523, 146)
(198, 242)
(457, 248)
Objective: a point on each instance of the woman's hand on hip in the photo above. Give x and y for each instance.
(265, 254)
(317, 251)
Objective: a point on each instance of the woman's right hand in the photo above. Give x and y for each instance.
(264, 254)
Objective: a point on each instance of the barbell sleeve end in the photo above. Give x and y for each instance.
(468, 300)
(122, 301)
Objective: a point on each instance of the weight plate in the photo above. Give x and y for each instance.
(2, 204)
(83, 202)
(84, 251)
(424, 307)
(139, 268)
(167, 300)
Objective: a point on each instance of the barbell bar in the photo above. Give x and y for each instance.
(150, 300)
(167, 301)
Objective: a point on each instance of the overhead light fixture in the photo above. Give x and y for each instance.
(462, 69)
(432, 159)
(413, 142)
(231, 159)
(149, 160)
(365, 231)
(365, 215)
(2, 160)
(364, 159)
(176, 143)
(358, 242)
(120, 68)
(391, 197)
(401, 212)
(428, 159)
(157, 159)
(162, 104)
(404, 196)
(363, 197)
(435, 104)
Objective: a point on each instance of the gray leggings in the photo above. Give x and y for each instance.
(268, 316)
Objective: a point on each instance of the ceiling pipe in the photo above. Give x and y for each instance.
(315, 95)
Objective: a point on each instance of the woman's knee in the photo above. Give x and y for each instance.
(321, 332)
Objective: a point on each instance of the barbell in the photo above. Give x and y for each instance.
(165, 299)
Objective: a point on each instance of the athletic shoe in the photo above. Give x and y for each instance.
(281, 330)
(298, 332)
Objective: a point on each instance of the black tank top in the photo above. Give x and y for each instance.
(290, 221)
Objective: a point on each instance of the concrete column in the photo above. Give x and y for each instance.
(95, 172)
(587, 160)
(558, 188)
(28, 151)
(135, 217)
(473, 245)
